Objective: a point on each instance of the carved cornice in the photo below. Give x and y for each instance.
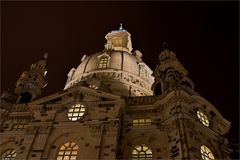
(110, 74)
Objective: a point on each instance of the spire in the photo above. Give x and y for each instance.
(170, 73)
(31, 82)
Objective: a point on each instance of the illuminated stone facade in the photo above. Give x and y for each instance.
(112, 107)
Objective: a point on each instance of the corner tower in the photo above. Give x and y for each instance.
(170, 74)
(31, 82)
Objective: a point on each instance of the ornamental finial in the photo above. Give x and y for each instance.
(45, 56)
(165, 45)
(121, 27)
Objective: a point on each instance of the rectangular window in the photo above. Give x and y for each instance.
(141, 121)
(103, 62)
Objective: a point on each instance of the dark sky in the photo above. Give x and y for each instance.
(204, 36)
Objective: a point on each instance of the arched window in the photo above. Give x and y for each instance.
(203, 118)
(206, 153)
(103, 62)
(68, 151)
(76, 112)
(9, 154)
(25, 97)
(141, 152)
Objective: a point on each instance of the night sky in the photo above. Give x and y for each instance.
(204, 36)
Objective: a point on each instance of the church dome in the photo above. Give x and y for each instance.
(115, 70)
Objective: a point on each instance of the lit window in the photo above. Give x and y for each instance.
(10, 154)
(103, 62)
(141, 121)
(143, 72)
(141, 152)
(76, 112)
(18, 126)
(206, 153)
(203, 118)
(68, 151)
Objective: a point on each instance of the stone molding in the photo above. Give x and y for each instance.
(113, 75)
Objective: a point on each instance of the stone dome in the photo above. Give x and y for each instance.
(115, 69)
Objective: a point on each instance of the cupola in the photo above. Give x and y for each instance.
(119, 40)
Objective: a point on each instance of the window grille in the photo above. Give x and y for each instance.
(9, 154)
(141, 152)
(206, 153)
(68, 151)
(76, 112)
(203, 118)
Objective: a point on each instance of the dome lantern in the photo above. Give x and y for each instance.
(119, 40)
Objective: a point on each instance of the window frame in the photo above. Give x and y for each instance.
(12, 153)
(206, 153)
(141, 121)
(66, 151)
(203, 118)
(141, 153)
(103, 61)
(77, 113)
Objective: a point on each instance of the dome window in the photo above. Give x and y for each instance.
(103, 61)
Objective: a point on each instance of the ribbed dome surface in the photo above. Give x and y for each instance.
(118, 60)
